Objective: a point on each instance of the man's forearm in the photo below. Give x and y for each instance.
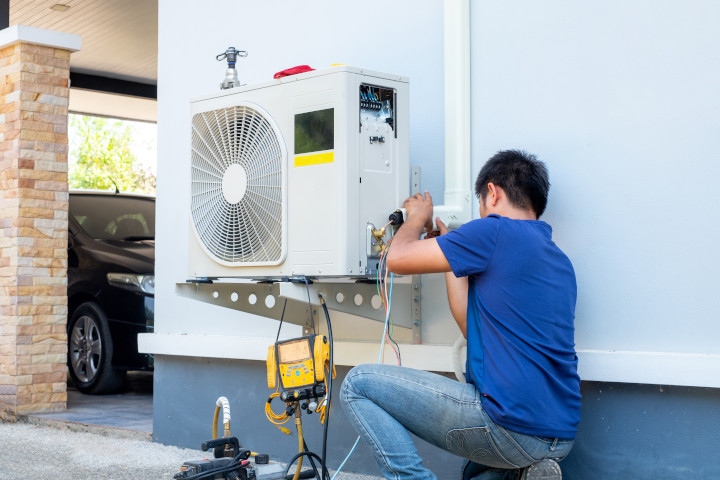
(457, 291)
(408, 255)
(410, 231)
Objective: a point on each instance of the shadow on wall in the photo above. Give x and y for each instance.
(640, 432)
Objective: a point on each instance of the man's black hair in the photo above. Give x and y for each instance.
(523, 177)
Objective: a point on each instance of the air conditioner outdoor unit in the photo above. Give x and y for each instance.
(290, 176)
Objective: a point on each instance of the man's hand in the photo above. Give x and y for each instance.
(409, 255)
(419, 208)
(442, 229)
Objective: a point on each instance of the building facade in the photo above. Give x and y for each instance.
(619, 99)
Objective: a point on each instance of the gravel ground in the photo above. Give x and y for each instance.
(47, 453)
(67, 451)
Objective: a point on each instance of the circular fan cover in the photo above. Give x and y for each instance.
(237, 188)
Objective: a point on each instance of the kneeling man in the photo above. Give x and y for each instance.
(512, 292)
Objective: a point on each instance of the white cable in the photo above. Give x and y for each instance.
(458, 361)
(387, 320)
(357, 440)
(223, 402)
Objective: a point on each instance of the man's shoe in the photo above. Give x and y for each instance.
(545, 469)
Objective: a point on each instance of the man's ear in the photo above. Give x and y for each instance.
(493, 194)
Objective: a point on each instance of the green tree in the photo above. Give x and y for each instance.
(101, 156)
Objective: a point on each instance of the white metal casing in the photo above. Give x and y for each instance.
(326, 206)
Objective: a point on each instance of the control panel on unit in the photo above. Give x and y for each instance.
(377, 109)
(378, 160)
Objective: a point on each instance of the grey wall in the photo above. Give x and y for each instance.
(186, 389)
(627, 431)
(646, 432)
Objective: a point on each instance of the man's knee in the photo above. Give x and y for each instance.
(352, 379)
(355, 381)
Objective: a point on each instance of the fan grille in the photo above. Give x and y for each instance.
(237, 185)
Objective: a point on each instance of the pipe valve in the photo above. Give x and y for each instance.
(231, 77)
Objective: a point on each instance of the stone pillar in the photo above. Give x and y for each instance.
(34, 91)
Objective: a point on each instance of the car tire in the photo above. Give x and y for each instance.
(90, 351)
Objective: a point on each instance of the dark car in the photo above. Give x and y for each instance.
(111, 286)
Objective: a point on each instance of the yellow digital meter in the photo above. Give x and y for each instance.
(299, 362)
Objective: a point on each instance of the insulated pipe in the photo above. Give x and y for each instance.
(458, 194)
(222, 402)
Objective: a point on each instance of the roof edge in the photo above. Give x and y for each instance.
(40, 36)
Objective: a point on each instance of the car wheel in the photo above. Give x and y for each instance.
(90, 351)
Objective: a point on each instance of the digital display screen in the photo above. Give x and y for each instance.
(294, 351)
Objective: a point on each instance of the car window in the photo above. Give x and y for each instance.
(114, 217)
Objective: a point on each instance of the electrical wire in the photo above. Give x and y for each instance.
(282, 316)
(329, 379)
(309, 455)
(384, 297)
(382, 289)
(312, 319)
(387, 320)
(236, 462)
(274, 418)
(352, 450)
(312, 463)
(322, 408)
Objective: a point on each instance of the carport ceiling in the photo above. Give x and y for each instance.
(119, 37)
(115, 72)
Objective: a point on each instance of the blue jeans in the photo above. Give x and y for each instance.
(385, 402)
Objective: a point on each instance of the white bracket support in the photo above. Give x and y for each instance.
(416, 305)
(270, 299)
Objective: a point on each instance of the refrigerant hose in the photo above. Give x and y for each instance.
(222, 403)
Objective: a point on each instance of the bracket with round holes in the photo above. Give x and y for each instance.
(269, 300)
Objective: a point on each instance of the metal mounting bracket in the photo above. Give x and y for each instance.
(416, 305)
(270, 299)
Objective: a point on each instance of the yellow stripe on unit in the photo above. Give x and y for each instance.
(314, 159)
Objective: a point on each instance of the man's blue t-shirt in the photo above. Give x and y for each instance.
(520, 323)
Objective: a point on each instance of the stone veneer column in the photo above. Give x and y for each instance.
(34, 91)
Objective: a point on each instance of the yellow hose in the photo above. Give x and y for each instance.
(298, 425)
(215, 420)
(227, 428)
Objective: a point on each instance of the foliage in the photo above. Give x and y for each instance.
(101, 156)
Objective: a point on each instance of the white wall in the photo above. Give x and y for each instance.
(621, 99)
